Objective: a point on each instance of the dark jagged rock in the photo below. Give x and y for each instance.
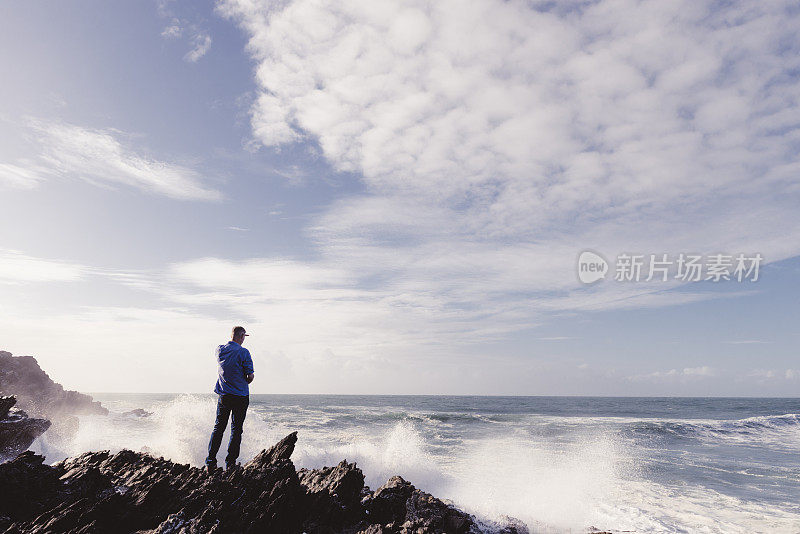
(17, 430)
(280, 451)
(30, 487)
(333, 495)
(408, 509)
(6, 403)
(388, 503)
(131, 492)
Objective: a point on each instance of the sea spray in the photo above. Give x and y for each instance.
(178, 429)
(550, 486)
(559, 464)
(399, 450)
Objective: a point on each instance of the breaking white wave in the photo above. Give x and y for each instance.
(557, 474)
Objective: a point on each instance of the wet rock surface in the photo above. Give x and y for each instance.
(17, 430)
(135, 492)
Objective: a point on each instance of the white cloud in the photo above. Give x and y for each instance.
(173, 31)
(699, 371)
(499, 139)
(21, 176)
(263, 278)
(309, 308)
(763, 374)
(773, 375)
(16, 267)
(676, 375)
(496, 140)
(201, 44)
(315, 326)
(537, 109)
(198, 38)
(100, 158)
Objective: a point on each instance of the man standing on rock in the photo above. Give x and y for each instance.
(235, 369)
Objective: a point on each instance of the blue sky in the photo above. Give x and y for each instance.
(392, 196)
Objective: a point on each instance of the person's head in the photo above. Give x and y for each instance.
(239, 334)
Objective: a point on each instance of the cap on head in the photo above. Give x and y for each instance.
(238, 331)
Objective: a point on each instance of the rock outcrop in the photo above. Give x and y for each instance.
(17, 430)
(39, 396)
(135, 492)
(37, 393)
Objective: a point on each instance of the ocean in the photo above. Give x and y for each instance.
(559, 464)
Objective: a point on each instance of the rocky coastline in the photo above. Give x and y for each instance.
(17, 430)
(133, 492)
(38, 394)
(40, 397)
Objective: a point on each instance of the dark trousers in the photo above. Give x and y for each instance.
(225, 405)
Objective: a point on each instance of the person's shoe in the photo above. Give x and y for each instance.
(229, 467)
(211, 468)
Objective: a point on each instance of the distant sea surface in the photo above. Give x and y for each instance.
(560, 464)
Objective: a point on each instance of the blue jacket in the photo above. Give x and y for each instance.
(233, 363)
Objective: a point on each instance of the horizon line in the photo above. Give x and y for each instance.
(452, 395)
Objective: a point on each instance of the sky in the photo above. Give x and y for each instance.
(392, 197)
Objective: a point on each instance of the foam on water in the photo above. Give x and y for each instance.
(557, 474)
(549, 486)
(645, 506)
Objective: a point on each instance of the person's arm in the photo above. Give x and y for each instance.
(247, 366)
